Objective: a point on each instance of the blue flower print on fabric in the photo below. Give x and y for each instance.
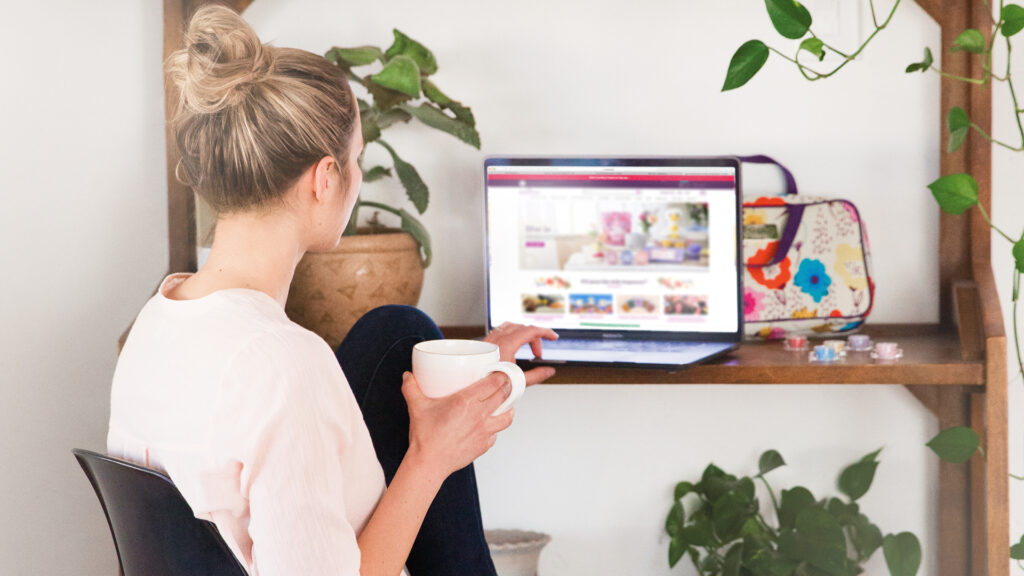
(812, 279)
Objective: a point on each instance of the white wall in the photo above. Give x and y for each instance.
(84, 235)
(82, 174)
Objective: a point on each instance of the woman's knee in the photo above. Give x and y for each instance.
(400, 321)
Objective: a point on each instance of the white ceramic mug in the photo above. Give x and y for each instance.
(443, 367)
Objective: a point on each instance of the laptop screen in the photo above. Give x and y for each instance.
(614, 245)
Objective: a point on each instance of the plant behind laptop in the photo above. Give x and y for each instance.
(399, 91)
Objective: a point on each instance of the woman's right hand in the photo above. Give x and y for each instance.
(453, 431)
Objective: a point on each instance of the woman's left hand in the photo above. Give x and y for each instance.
(510, 338)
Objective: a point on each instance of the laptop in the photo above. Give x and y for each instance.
(632, 261)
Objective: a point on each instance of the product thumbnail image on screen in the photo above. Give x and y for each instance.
(580, 234)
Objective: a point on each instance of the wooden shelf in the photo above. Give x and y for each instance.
(931, 356)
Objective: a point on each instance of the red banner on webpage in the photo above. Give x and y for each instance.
(623, 177)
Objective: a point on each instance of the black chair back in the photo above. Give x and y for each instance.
(154, 530)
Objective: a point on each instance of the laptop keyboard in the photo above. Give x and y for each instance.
(616, 345)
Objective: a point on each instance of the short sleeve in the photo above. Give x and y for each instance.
(283, 415)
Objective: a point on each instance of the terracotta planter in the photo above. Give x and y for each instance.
(332, 290)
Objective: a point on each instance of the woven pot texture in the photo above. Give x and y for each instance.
(332, 290)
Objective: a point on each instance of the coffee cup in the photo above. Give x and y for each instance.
(443, 367)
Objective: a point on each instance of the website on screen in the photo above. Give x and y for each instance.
(626, 248)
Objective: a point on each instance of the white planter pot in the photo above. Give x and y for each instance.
(516, 552)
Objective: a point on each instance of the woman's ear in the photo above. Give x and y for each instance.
(323, 171)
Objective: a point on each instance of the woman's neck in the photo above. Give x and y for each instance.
(250, 250)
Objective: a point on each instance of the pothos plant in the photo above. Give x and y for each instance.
(954, 193)
(725, 534)
(399, 91)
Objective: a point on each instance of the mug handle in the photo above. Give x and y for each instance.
(516, 377)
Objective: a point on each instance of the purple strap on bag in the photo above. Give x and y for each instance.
(762, 159)
(795, 212)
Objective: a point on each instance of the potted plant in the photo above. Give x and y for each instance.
(725, 534)
(375, 263)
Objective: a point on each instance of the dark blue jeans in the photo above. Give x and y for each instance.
(373, 356)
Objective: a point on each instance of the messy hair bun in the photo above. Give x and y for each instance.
(223, 57)
(252, 117)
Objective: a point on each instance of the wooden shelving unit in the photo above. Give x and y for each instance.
(931, 358)
(956, 368)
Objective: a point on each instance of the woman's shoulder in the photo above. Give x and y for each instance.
(235, 335)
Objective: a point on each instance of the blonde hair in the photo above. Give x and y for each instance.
(252, 117)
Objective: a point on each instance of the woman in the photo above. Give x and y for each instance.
(250, 414)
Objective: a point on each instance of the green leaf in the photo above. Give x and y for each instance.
(755, 538)
(414, 186)
(376, 173)
(958, 125)
(871, 456)
(1018, 254)
(923, 65)
(769, 461)
(793, 502)
(808, 570)
(431, 91)
(676, 549)
(410, 224)
(384, 98)
(712, 564)
(435, 118)
(767, 562)
(371, 130)
(676, 519)
(730, 512)
(865, 536)
(400, 74)
(814, 46)
(855, 479)
(745, 488)
(818, 540)
(405, 46)
(714, 482)
(358, 56)
(1017, 550)
(694, 556)
(746, 62)
(733, 560)
(392, 117)
(970, 40)
(845, 514)
(682, 489)
(418, 231)
(902, 554)
(699, 531)
(789, 17)
(955, 193)
(956, 444)
(1013, 19)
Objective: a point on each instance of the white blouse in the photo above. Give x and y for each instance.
(252, 418)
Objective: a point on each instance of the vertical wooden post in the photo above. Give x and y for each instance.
(954, 231)
(181, 230)
(979, 517)
(954, 492)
